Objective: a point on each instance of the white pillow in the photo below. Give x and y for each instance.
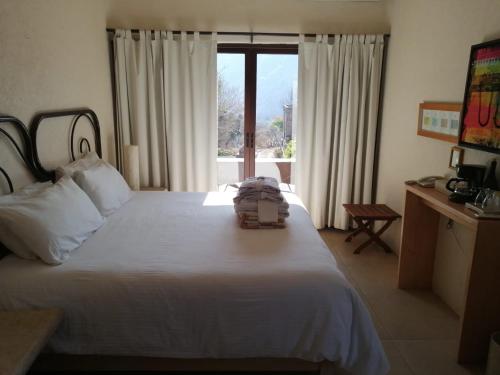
(78, 165)
(26, 191)
(11, 241)
(105, 186)
(53, 222)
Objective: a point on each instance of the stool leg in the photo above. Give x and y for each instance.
(353, 234)
(364, 227)
(379, 241)
(374, 237)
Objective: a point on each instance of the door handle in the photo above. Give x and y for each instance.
(247, 139)
(252, 140)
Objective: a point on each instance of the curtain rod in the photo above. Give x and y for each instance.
(243, 33)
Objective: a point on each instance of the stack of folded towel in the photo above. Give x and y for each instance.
(260, 204)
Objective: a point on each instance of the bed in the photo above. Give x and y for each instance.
(172, 275)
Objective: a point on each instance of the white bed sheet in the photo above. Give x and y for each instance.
(172, 275)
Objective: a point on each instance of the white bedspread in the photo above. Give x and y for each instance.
(172, 275)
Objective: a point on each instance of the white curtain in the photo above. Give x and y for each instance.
(166, 101)
(338, 96)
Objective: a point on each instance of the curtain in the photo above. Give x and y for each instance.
(338, 97)
(166, 103)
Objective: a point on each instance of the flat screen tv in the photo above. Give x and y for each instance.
(480, 121)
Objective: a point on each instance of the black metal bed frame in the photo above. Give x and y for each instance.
(24, 151)
(83, 142)
(28, 151)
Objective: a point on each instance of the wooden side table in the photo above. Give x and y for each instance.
(23, 334)
(365, 215)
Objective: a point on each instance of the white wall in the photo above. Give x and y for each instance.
(427, 61)
(251, 15)
(53, 55)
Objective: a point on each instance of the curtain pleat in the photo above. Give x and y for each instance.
(166, 104)
(338, 93)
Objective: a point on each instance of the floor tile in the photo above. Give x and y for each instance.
(373, 275)
(418, 331)
(411, 315)
(383, 333)
(335, 239)
(399, 314)
(398, 363)
(435, 357)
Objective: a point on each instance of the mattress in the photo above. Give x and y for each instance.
(172, 275)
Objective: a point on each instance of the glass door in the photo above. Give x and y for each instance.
(275, 117)
(231, 111)
(257, 87)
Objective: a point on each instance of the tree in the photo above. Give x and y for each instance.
(230, 110)
(277, 123)
(271, 135)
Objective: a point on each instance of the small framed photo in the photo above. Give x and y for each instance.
(439, 121)
(456, 156)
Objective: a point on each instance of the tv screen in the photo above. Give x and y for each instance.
(480, 121)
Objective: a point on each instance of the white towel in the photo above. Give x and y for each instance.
(267, 211)
(256, 195)
(268, 184)
(251, 205)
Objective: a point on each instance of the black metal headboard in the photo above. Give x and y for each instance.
(77, 114)
(24, 151)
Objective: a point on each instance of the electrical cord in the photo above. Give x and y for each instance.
(451, 228)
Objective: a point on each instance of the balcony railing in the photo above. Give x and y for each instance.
(230, 170)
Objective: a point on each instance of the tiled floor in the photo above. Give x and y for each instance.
(419, 332)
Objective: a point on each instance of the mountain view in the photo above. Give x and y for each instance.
(276, 75)
(276, 80)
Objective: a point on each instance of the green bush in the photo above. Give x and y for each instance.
(289, 151)
(226, 152)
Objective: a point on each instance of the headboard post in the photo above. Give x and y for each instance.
(25, 152)
(77, 113)
(9, 181)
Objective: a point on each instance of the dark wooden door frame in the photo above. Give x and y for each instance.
(250, 112)
(251, 51)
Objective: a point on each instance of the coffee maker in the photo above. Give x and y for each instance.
(466, 186)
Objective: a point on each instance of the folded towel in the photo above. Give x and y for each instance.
(268, 184)
(258, 195)
(251, 205)
(260, 204)
(281, 214)
(253, 223)
(255, 216)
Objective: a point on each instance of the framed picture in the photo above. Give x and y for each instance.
(480, 124)
(456, 156)
(439, 121)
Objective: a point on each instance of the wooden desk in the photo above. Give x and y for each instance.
(481, 313)
(23, 334)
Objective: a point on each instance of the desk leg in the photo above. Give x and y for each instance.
(418, 244)
(481, 315)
